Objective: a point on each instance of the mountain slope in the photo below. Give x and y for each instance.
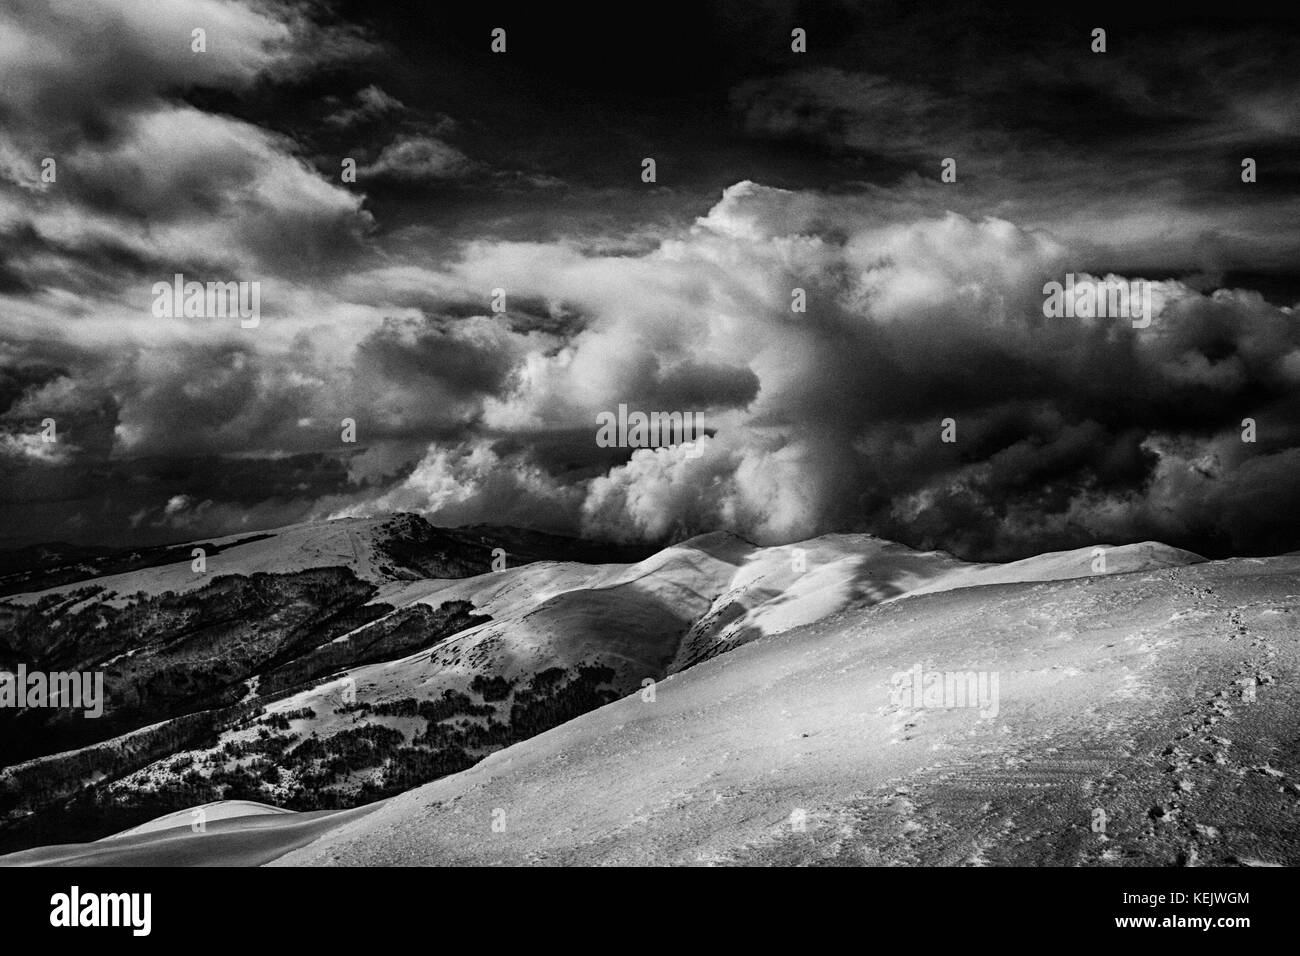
(1124, 694)
(377, 550)
(414, 678)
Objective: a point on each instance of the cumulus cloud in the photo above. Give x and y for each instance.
(831, 419)
(471, 483)
(68, 62)
(923, 301)
(145, 182)
(1068, 429)
(191, 187)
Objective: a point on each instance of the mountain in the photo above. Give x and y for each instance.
(189, 654)
(377, 659)
(1144, 717)
(781, 588)
(378, 550)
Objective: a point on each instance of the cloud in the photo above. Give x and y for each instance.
(1068, 429)
(418, 157)
(145, 183)
(832, 419)
(68, 62)
(34, 448)
(923, 299)
(193, 187)
(73, 71)
(866, 111)
(1143, 153)
(369, 103)
(471, 483)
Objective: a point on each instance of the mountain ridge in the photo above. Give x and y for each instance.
(339, 684)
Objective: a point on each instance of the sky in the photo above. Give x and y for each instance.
(775, 170)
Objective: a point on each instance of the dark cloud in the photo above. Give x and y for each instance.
(777, 171)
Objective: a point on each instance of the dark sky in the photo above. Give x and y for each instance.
(775, 170)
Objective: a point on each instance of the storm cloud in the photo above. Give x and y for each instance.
(499, 275)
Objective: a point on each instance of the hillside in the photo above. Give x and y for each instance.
(328, 690)
(1166, 699)
(1163, 698)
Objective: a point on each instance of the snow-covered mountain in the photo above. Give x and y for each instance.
(327, 665)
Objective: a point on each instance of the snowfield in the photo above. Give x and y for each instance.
(1147, 715)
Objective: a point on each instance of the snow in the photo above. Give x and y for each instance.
(346, 542)
(211, 812)
(1101, 691)
(1118, 690)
